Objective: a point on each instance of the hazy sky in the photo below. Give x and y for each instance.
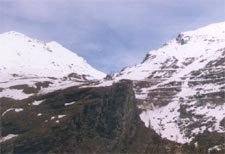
(109, 34)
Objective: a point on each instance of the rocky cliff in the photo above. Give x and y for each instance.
(97, 120)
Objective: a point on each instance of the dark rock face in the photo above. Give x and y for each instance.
(215, 143)
(97, 120)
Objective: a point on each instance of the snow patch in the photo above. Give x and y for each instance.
(61, 116)
(71, 103)
(18, 109)
(38, 102)
(14, 93)
(52, 117)
(12, 109)
(39, 114)
(8, 137)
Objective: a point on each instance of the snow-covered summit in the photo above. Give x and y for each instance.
(25, 56)
(195, 43)
(188, 47)
(214, 30)
(180, 87)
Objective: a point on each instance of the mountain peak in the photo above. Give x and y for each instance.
(54, 43)
(212, 31)
(24, 55)
(13, 34)
(188, 46)
(180, 86)
(18, 38)
(194, 43)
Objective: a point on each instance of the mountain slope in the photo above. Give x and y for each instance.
(181, 86)
(26, 56)
(29, 66)
(106, 121)
(180, 89)
(183, 53)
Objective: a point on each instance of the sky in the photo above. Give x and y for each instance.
(109, 34)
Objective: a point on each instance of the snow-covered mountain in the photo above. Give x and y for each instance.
(181, 86)
(27, 61)
(183, 54)
(27, 56)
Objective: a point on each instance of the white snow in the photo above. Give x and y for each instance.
(141, 96)
(71, 103)
(55, 84)
(60, 85)
(104, 83)
(8, 137)
(14, 93)
(162, 120)
(27, 56)
(199, 47)
(38, 102)
(12, 109)
(18, 109)
(52, 117)
(202, 45)
(39, 114)
(216, 147)
(217, 112)
(61, 116)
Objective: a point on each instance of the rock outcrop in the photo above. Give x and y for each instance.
(96, 120)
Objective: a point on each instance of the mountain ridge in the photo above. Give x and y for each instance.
(179, 88)
(30, 67)
(181, 82)
(31, 56)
